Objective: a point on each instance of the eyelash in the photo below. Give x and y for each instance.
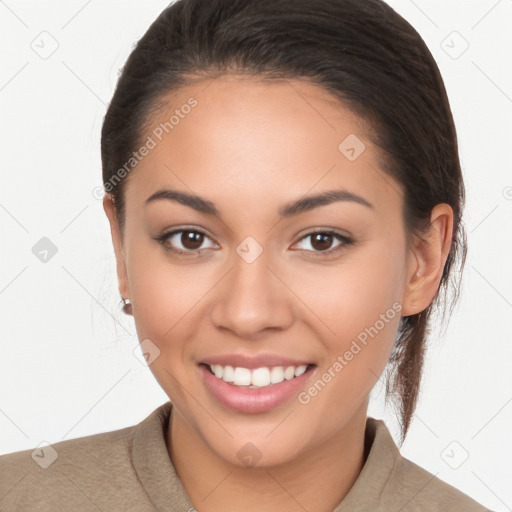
(163, 239)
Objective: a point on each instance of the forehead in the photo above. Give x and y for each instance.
(232, 136)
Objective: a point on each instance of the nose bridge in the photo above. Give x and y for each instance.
(252, 297)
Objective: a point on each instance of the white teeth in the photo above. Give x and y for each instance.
(259, 377)
(289, 373)
(276, 375)
(218, 370)
(228, 374)
(300, 370)
(242, 377)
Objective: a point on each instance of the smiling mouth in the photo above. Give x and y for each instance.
(257, 377)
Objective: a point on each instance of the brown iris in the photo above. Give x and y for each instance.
(193, 238)
(321, 241)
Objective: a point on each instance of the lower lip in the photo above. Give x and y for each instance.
(252, 400)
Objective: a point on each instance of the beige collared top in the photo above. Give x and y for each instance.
(130, 470)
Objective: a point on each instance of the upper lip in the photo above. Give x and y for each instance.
(252, 362)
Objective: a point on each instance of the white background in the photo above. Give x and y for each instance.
(67, 367)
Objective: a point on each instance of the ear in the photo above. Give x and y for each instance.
(426, 260)
(117, 240)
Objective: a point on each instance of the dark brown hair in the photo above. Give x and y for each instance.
(362, 52)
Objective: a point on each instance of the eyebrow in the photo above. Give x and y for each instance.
(294, 208)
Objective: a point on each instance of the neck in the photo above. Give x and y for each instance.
(318, 480)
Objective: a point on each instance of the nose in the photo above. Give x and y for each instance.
(252, 300)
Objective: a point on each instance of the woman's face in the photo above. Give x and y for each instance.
(256, 289)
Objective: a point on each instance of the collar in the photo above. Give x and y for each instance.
(163, 486)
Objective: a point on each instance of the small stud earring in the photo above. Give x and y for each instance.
(127, 307)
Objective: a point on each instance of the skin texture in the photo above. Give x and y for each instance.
(250, 148)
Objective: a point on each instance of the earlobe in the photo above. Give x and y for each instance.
(426, 261)
(117, 241)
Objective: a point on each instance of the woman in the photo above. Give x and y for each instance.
(285, 199)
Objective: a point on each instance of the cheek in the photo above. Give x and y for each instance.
(350, 296)
(166, 302)
(164, 294)
(358, 314)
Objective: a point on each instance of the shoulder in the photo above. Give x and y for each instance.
(95, 449)
(390, 481)
(74, 474)
(419, 490)
(428, 492)
(64, 474)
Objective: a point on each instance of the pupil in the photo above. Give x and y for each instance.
(325, 241)
(192, 238)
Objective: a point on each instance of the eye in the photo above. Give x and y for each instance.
(185, 241)
(189, 242)
(322, 242)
